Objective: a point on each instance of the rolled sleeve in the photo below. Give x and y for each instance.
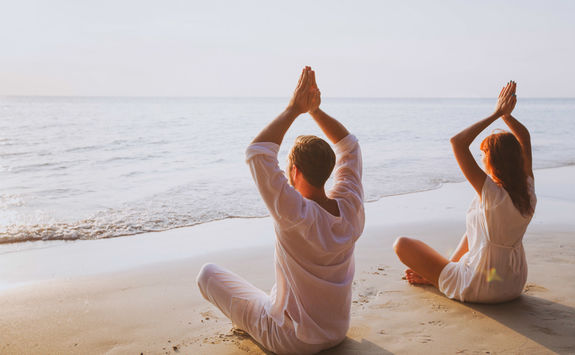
(262, 148)
(285, 204)
(346, 144)
(348, 168)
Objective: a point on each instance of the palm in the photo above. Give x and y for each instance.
(306, 96)
(507, 99)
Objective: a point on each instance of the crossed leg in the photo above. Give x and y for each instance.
(239, 300)
(245, 305)
(424, 263)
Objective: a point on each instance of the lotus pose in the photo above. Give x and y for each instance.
(308, 309)
(489, 264)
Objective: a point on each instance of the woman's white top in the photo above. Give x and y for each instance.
(494, 269)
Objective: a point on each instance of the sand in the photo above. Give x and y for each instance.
(138, 294)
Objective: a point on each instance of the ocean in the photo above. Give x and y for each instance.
(88, 168)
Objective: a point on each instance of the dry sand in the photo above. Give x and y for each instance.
(138, 294)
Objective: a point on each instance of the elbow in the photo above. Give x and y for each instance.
(455, 141)
(459, 141)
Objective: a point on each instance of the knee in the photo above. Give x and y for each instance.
(205, 272)
(401, 244)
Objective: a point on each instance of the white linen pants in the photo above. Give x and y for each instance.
(246, 305)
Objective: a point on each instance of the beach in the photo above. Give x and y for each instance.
(138, 294)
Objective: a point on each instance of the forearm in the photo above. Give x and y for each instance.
(518, 130)
(461, 249)
(333, 129)
(466, 137)
(274, 132)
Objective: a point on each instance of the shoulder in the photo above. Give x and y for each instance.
(346, 144)
(492, 194)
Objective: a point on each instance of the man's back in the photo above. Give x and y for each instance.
(314, 248)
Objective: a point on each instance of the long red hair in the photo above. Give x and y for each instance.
(504, 162)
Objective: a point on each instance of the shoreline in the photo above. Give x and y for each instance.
(85, 256)
(138, 295)
(24, 244)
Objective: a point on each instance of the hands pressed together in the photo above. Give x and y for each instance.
(506, 100)
(306, 97)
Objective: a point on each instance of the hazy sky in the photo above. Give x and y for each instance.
(256, 48)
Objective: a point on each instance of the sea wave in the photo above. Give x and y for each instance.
(110, 224)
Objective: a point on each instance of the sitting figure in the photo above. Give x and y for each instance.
(308, 308)
(489, 264)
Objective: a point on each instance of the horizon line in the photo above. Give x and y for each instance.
(271, 97)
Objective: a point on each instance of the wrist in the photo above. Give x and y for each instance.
(314, 111)
(292, 111)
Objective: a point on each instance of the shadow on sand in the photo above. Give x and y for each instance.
(548, 323)
(350, 346)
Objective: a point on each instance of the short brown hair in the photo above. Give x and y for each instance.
(314, 158)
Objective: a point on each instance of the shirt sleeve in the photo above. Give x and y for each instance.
(286, 205)
(348, 168)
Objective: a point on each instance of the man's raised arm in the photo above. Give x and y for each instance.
(332, 128)
(300, 103)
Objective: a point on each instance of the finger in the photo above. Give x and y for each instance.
(505, 89)
(306, 77)
(501, 92)
(300, 80)
(510, 88)
(317, 95)
(314, 84)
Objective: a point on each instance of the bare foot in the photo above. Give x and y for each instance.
(415, 279)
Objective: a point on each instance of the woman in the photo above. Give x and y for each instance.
(489, 264)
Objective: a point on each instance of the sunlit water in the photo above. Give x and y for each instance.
(85, 168)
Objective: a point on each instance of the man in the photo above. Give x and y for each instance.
(308, 309)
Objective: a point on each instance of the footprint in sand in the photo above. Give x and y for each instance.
(416, 336)
(208, 315)
(240, 339)
(235, 336)
(424, 339)
(364, 296)
(436, 323)
(439, 308)
(380, 270)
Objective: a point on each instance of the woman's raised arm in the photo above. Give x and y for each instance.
(461, 141)
(522, 134)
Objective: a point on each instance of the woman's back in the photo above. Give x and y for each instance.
(495, 269)
(505, 224)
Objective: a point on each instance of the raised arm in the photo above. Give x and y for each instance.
(461, 141)
(300, 103)
(522, 134)
(333, 129)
